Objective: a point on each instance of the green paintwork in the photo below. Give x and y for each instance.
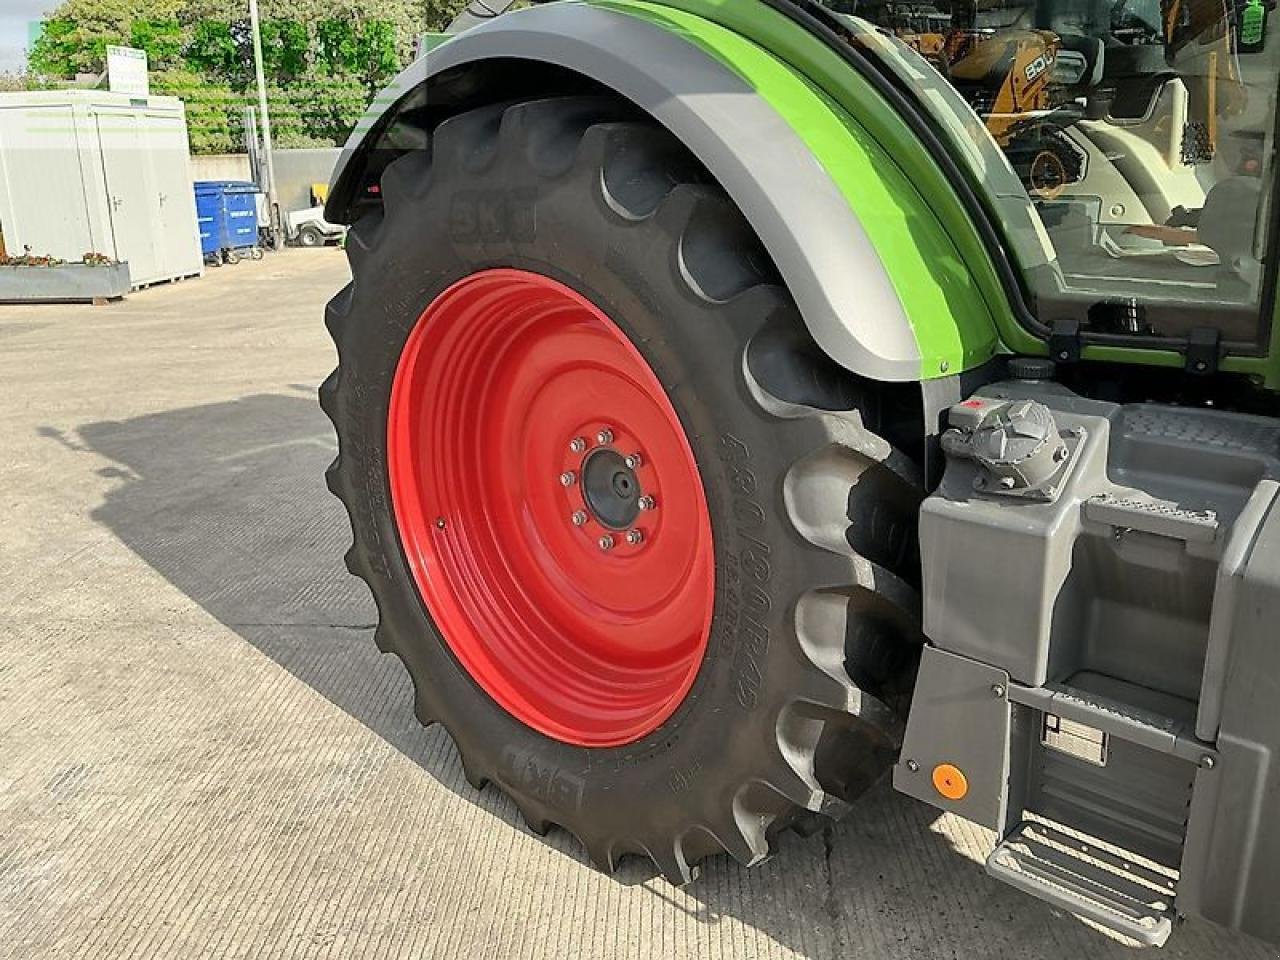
(942, 275)
(430, 41)
(910, 183)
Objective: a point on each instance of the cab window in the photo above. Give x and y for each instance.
(1137, 135)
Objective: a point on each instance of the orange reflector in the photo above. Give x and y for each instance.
(949, 781)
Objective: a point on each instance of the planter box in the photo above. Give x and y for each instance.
(69, 283)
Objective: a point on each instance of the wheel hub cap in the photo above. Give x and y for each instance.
(611, 489)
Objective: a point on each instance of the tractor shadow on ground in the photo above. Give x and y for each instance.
(227, 501)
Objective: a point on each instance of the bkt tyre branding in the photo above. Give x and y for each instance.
(479, 216)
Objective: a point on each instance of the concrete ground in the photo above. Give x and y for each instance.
(203, 755)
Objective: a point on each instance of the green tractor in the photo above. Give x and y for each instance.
(727, 422)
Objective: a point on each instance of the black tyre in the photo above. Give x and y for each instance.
(310, 236)
(814, 628)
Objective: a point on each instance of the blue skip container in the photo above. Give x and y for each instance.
(227, 212)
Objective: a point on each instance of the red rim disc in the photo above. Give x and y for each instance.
(551, 508)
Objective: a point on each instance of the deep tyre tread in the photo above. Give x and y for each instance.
(815, 625)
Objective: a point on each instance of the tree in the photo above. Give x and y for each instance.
(320, 111)
(285, 45)
(214, 52)
(214, 110)
(366, 50)
(324, 60)
(76, 37)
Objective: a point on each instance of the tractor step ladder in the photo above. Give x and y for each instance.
(1087, 880)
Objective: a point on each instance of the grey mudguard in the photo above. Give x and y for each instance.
(824, 255)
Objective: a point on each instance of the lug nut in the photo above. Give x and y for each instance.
(606, 542)
(647, 503)
(633, 461)
(605, 437)
(635, 537)
(567, 478)
(577, 444)
(579, 518)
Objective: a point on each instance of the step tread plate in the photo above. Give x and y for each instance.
(1069, 873)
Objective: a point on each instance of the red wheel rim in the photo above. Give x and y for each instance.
(524, 430)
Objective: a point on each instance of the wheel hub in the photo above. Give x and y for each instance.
(610, 489)
(551, 508)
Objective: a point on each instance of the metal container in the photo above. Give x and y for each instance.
(86, 171)
(227, 213)
(65, 283)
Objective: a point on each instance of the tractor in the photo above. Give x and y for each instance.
(742, 401)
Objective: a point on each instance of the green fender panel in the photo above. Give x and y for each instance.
(887, 282)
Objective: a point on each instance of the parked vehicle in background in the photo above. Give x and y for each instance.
(309, 228)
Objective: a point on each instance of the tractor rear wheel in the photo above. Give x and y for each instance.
(636, 539)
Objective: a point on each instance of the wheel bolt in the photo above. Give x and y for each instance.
(633, 461)
(605, 437)
(647, 503)
(635, 537)
(606, 542)
(579, 518)
(567, 478)
(577, 444)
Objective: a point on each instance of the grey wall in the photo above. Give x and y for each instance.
(227, 166)
(296, 170)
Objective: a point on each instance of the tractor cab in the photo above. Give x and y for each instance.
(1125, 147)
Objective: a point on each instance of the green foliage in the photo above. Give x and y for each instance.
(76, 38)
(367, 50)
(324, 60)
(214, 52)
(162, 39)
(335, 45)
(214, 110)
(285, 46)
(320, 111)
(55, 52)
(376, 58)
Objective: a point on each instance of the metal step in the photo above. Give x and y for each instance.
(1149, 514)
(1114, 891)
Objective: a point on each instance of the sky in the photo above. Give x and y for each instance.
(16, 17)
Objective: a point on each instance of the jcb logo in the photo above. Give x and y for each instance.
(1038, 66)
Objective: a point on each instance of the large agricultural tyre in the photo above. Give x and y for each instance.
(637, 541)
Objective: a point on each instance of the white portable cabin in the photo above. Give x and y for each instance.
(85, 171)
